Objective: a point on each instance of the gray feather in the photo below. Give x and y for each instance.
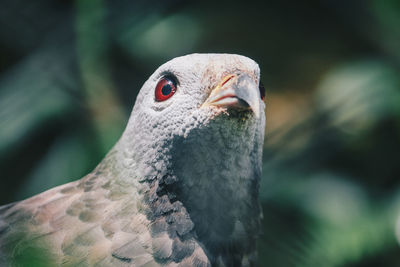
(180, 188)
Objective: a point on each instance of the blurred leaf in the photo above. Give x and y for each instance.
(30, 93)
(357, 96)
(162, 38)
(92, 46)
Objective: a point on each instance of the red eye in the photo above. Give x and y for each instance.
(262, 91)
(165, 88)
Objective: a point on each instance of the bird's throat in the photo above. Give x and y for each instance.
(217, 180)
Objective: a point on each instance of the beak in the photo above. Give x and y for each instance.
(236, 91)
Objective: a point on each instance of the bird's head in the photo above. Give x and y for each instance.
(196, 135)
(206, 101)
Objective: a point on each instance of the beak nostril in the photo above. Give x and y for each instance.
(227, 79)
(240, 93)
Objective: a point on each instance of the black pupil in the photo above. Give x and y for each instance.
(166, 90)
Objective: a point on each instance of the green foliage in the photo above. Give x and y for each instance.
(70, 71)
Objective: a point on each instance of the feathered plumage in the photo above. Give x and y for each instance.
(180, 188)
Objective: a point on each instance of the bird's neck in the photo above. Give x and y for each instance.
(213, 179)
(218, 185)
(215, 174)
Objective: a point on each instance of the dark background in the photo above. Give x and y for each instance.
(70, 71)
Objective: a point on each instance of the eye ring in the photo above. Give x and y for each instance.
(165, 88)
(262, 91)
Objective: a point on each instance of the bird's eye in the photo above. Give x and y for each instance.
(262, 91)
(165, 88)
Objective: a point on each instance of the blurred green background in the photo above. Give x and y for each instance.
(70, 71)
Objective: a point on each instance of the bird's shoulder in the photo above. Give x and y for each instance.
(84, 222)
(93, 221)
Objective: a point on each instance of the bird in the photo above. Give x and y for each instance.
(179, 188)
